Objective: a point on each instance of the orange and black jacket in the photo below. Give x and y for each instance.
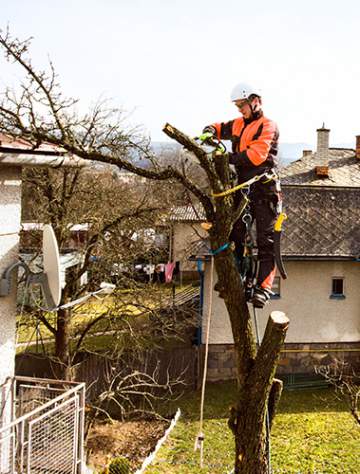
(254, 144)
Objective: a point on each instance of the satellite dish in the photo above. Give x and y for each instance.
(51, 263)
(49, 279)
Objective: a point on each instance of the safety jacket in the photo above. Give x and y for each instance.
(254, 143)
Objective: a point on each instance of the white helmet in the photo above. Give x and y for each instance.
(243, 91)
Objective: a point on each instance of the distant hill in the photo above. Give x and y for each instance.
(289, 152)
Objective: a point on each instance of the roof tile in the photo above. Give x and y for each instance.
(344, 170)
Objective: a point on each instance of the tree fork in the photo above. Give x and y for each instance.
(274, 398)
(259, 395)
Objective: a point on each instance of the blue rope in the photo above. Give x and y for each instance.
(220, 249)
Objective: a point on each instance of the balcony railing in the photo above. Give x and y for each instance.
(41, 426)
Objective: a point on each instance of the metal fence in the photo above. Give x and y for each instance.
(42, 426)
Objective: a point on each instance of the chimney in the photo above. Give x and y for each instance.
(357, 147)
(307, 153)
(322, 152)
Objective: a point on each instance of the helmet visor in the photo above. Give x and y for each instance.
(241, 103)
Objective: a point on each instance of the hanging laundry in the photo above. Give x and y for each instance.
(169, 269)
(160, 272)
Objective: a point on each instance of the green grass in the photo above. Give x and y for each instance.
(129, 303)
(312, 433)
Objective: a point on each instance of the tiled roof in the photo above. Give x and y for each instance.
(188, 213)
(21, 152)
(322, 222)
(344, 170)
(22, 145)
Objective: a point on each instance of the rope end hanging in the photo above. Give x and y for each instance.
(199, 440)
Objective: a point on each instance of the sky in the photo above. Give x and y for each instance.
(177, 61)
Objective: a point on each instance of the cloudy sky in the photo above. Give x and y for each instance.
(177, 61)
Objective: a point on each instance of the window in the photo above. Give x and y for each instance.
(276, 288)
(337, 288)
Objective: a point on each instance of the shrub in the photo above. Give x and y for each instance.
(119, 465)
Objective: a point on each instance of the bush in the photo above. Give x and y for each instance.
(119, 465)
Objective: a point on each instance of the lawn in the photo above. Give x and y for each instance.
(313, 433)
(126, 301)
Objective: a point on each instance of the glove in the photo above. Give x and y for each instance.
(208, 133)
(209, 129)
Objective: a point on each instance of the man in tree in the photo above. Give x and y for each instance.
(254, 148)
(100, 136)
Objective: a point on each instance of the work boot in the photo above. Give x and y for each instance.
(261, 297)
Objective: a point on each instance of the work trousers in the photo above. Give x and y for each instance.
(263, 210)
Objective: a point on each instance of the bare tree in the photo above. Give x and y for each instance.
(346, 381)
(117, 215)
(100, 137)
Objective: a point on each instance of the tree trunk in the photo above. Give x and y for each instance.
(257, 389)
(257, 401)
(258, 392)
(62, 344)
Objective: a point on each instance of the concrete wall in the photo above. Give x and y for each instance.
(294, 358)
(305, 298)
(10, 214)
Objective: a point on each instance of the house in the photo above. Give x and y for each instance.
(321, 250)
(41, 403)
(186, 233)
(15, 154)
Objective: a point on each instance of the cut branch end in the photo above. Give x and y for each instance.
(279, 318)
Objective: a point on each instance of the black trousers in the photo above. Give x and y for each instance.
(263, 210)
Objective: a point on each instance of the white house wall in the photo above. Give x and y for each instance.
(305, 298)
(185, 236)
(10, 214)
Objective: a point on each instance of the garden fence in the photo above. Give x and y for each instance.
(43, 427)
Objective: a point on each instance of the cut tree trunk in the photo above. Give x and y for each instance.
(258, 391)
(251, 414)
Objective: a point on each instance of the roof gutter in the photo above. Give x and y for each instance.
(53, 160)
(294, 258)
(321, 257)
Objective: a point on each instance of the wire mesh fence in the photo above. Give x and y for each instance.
(44, 427)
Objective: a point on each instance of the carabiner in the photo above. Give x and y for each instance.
(246, 218)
